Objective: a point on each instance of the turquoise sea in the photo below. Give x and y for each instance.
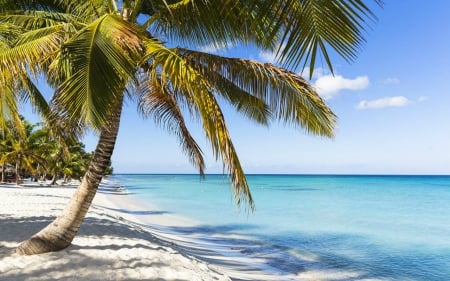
(377, 227)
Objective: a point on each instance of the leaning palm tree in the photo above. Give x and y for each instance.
(96, 54)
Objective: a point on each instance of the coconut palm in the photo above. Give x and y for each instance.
(96, 54)
(22, 147)
(67, 160)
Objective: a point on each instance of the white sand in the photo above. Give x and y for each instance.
(121, 240)
(108, 247)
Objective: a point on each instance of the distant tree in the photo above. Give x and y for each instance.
(22, 147)
(34, 151)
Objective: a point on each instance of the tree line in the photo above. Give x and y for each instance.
(31, 151)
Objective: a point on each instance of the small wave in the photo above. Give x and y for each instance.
(114, 187)
(286, 188)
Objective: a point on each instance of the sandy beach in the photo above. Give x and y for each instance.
(123, 240)
(119, 240)
(108, 247)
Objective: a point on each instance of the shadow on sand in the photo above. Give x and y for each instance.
(243, 258)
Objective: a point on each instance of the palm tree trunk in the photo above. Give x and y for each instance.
(3, 172)
(55, 176)
(17, 172)
(60, 233)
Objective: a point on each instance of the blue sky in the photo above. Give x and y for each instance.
(392, 103)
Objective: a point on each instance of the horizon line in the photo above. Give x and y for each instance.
(284, 174)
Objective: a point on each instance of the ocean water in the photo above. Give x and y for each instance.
(355, 227)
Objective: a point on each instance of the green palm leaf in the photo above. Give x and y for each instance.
(192, 89)
(9, 109)
(216, 130)
(32, 20)
(158, 101)
(88, 10)
(289, 97)
(221, 23)
(302, 30)
(102, 61)
(31, 93)
(308, 28)
(30, 56)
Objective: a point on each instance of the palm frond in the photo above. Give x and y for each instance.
(31, 93)
(190, 87)
(30, 56)
(244, 102)
(88, 10)
(289, 97)
(101, 58)
(216, 130)
(32, 20)
(9, 109)
(27, 5)
(220, 23)
(8, 33)
(157, 101)
(308, 28)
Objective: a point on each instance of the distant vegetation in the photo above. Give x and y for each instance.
(30, 151)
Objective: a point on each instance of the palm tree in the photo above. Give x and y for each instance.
(22, 147)
(97, 53)
(78, 161)
(65, 159)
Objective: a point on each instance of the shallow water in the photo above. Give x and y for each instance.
(356, 227)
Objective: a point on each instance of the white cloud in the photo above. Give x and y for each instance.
(391, 81)
(318, 72)
(212, 49)
(329, 86)
(422, 98)
(325, 83)
(398, 101)
(269, 57)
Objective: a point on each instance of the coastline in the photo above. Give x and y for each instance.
(127, 238)
(218, 252)
(108, 246)
(120, 239)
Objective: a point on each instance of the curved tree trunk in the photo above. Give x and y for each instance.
(60, 233)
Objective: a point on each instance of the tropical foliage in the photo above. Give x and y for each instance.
(34, 153)
(96, 54)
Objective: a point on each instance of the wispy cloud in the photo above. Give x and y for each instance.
(213, 49)
(329, 86)
(397, 101)
(391, 81)
(269, 57)
(317, 73)
(422, 98)
(326, 84)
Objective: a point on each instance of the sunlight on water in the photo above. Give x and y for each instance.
(356, 227)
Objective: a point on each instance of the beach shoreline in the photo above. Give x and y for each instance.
(218, 252)
(108, 246)
(120, 239)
